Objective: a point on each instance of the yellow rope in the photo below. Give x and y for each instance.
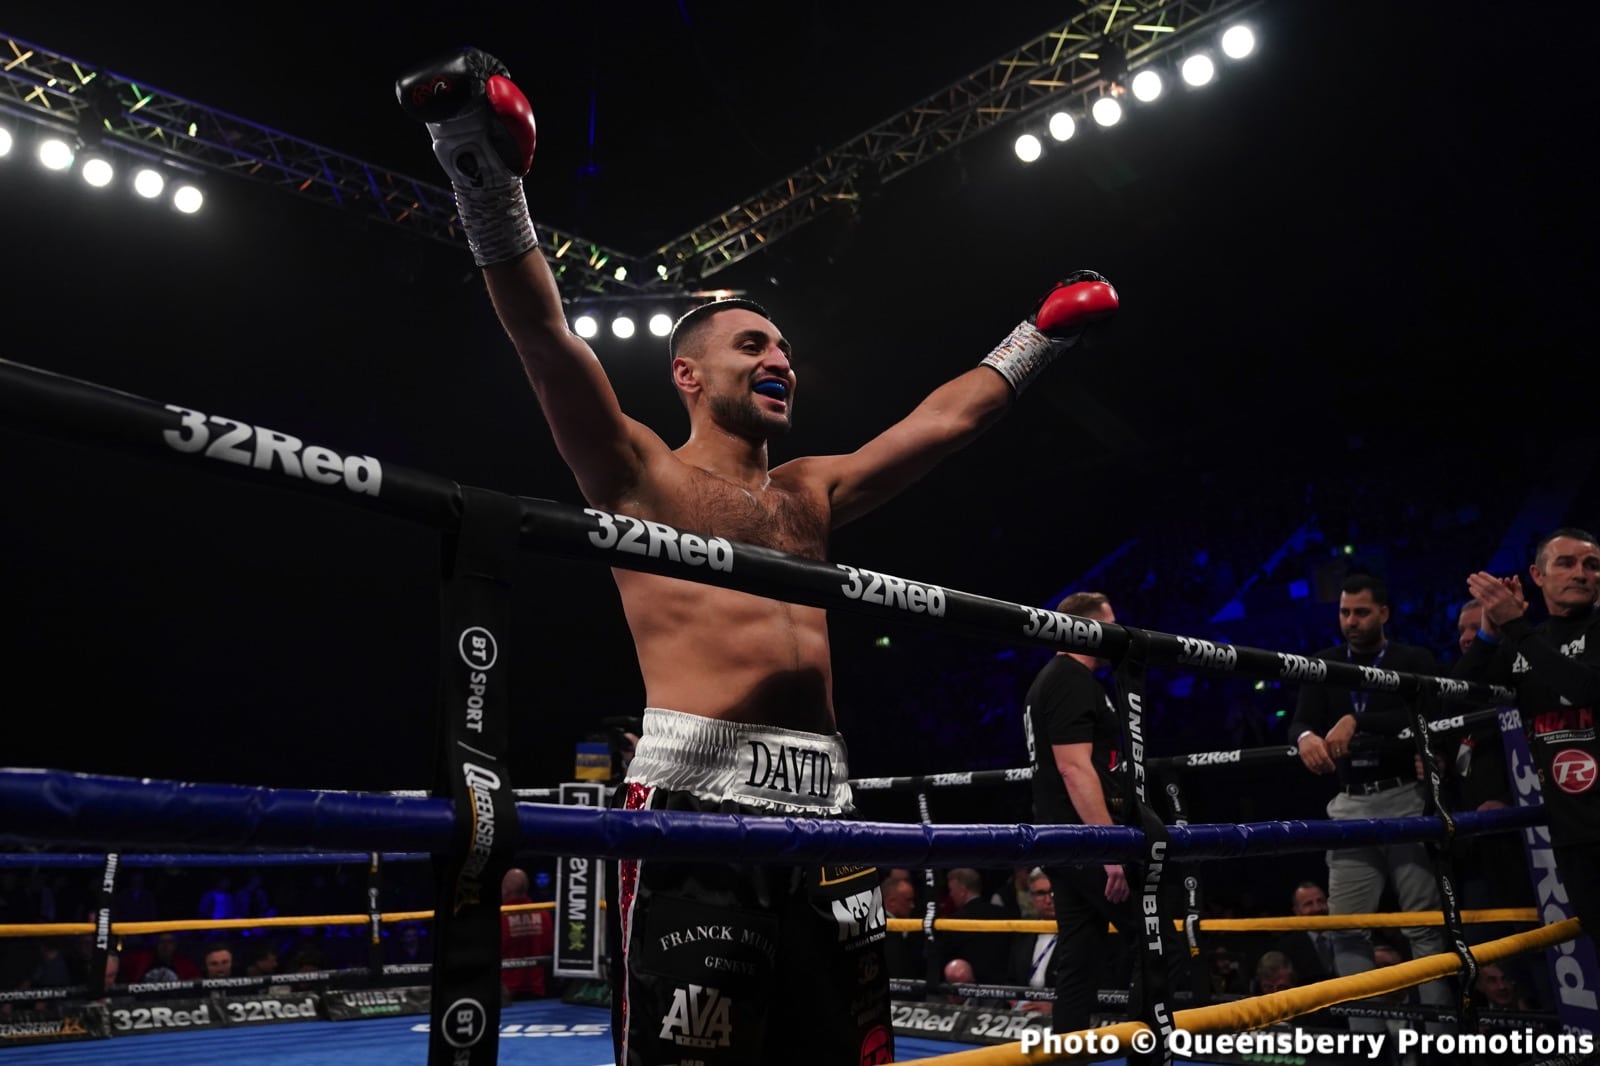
(1287, 923)
(210, 924)
(1275, 1007)
(896, 925)
(1281, 924)
(1251, 1013)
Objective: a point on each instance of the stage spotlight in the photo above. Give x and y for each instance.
(622, 326)
(660, 324)
(1106, 111)
(621, 273)
(148, 182)
(55, 153)
(1062, 127)
(5, 141)
(585, 326)
(1198, 70)
(97, 171)
(1238, 41)
(661, 271)
(1028, 148)
(1146, 85)
(187, 198)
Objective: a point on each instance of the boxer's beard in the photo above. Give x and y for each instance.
(740, 415)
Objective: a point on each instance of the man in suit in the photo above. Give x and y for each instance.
(1033, 955)
(987, 952)
(903, 951)
(1309, 950)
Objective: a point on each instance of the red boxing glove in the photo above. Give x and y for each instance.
(483, 135)
(1081, 298)
(1058, 321)
(483, 129)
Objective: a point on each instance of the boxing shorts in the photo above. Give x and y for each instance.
(740, 962)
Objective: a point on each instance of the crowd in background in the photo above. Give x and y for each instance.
(1264, 574)
(1261, 573)
(1232, 964)
(173, 893)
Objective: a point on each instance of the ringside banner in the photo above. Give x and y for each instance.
(1573, 970)
(53, 1023)
(578, 881)
(129, 1016)
(356, 1004)
(266, 1010)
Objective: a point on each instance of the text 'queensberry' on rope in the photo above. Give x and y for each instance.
(252, 446)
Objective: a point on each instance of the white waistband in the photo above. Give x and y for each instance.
(763, 766)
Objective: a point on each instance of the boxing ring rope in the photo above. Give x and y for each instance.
(147, 859)
(201, 925)
(1208, 760)
(1217, 1017)
(1274, 1007)
(90, 809)
(1197, 760)
(1277, 924)
(1287, 923)
(62, 406)
(1280, 924)
(1200, 760)
(96, 809)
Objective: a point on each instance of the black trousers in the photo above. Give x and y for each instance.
(1090, 957)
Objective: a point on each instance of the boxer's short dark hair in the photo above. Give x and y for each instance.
(695, 317)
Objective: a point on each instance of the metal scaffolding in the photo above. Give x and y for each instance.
(1064, 68)
(1056, 70)
(79, 100)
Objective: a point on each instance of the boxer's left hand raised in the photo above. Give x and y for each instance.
(1058, 321)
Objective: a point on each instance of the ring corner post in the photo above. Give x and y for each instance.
(473, 770)
(1151, 1002)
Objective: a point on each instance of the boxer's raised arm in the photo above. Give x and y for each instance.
(959, 410)
(484, 135)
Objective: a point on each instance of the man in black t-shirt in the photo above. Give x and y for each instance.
(1555, 669)
(1075, 746)
(1376, 780)
(1492, 866)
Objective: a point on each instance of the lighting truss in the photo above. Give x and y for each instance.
(1050, 71)
(53, 90)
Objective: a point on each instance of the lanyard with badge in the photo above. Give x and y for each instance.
(1359, 699)
(1041, 957)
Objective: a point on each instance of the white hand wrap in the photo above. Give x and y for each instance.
(496, 222)
(1027, 351)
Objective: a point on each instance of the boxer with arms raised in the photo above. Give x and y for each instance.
(721, 963)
